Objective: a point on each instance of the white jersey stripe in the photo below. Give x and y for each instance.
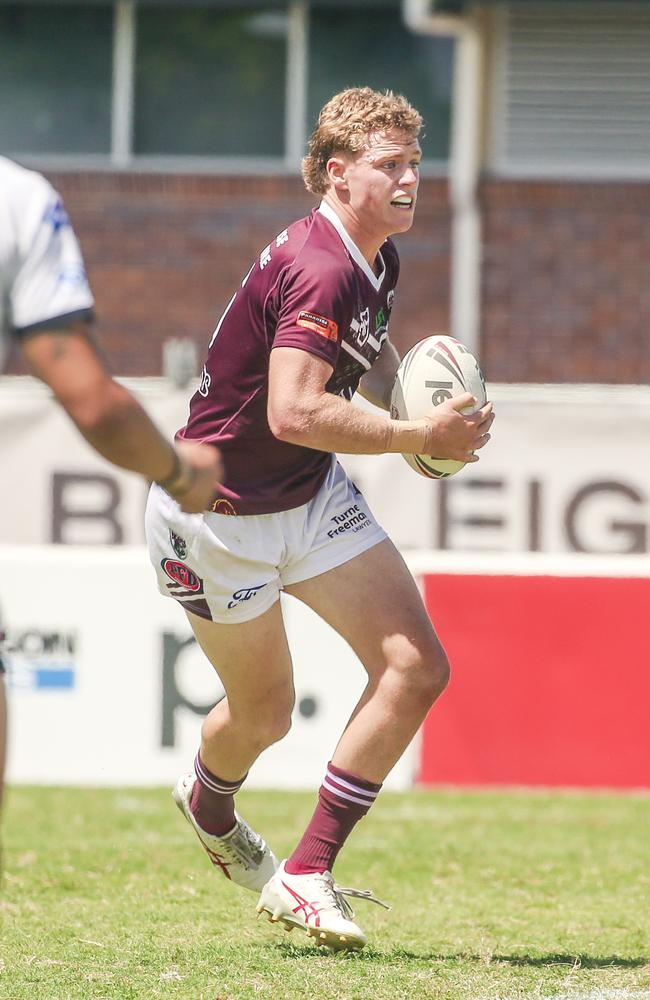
(355, 354)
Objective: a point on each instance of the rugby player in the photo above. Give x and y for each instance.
(46, 305)
(306, 329)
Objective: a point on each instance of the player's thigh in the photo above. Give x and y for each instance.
(252, 658)
(374, 603)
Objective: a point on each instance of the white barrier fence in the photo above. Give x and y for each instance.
(567, 471)
(107, 686)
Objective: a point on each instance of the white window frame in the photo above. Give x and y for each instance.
(122, 155)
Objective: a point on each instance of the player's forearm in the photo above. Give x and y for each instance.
(329, 423)
(121, 431)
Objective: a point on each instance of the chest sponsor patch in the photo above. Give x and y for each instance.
(319, 324)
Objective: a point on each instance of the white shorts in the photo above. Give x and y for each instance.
(231, 568)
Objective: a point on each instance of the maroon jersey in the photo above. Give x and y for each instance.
(311, 289)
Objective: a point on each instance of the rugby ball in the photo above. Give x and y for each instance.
(436, 369)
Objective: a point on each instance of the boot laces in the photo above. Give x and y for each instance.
(246, 845)
(339, 892)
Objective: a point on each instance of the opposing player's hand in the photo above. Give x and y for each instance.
(200, 472)
(457, 435)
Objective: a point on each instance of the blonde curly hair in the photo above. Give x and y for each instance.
(345, 123)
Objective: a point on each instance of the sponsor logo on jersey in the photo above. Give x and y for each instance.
(244, 594)
(56, 216)
(185, 580)
(178, 544)
(223, 506)
(390, 298)
(360, 328)
(206, 381)
(319, 324)
(72, 274)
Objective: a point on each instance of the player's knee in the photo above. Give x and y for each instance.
(273, 722)
(439, 672)
(272, 729)
(428, 676)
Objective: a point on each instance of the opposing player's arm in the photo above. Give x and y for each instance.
(111, 419)
(301, 411)
(376, 385)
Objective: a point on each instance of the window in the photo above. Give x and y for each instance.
(210, 82)
(349, 48)
(229, 79)
(55, 78)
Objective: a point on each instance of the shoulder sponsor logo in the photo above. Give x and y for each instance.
(185, 580)
(56, 216)
(245, 594)
(178, 544)
(319, 324)
(390, 298)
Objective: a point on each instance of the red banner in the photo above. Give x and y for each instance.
(550, 681)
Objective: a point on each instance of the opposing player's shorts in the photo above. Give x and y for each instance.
(231, 568)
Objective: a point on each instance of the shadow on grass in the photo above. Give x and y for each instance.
(576, 961)
(400, 955)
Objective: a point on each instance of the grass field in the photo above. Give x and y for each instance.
(495, 895)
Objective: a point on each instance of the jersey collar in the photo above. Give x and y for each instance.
(375, 280)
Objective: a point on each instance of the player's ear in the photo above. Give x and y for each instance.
(336, 172)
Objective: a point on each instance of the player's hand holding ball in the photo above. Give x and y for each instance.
(440, 381)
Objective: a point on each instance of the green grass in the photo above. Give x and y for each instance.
(107, 896)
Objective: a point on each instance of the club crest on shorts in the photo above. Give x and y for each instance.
(178, 544)
(185, 580)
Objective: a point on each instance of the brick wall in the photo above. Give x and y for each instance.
(566, 281)
(566, 289)
(165, 252)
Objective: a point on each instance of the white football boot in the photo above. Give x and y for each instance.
(241, 854)
(316, 904)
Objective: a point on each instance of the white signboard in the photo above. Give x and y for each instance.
(567, 470)
(107, 686)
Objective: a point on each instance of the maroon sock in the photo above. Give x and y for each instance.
(213, 803)
(343, 799)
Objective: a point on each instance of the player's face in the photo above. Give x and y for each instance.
(383, 182)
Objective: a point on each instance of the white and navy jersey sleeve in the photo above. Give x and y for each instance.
(44, 279)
